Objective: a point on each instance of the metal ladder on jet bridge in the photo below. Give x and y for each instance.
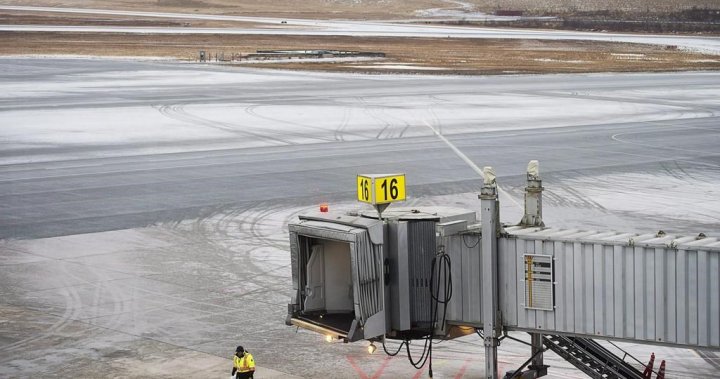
(591, 358)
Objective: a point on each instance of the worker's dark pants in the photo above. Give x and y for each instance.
(244, 375)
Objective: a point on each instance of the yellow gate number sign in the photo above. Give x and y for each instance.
(381, 189)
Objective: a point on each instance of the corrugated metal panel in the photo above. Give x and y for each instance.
(294, 253)
(564, 268)
(655, 288)
(421, 250)
(368, 261)
(472, 269)
(454, 248)
(508, 281)
(464, 252)
(714, 300)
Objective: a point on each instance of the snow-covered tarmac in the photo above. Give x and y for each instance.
(144, 204)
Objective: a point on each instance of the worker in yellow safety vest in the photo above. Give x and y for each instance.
(243, 364)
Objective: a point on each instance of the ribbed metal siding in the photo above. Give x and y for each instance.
(466, 303)
(294, 259)
(368, 258)
(647, 288)
(421, 250)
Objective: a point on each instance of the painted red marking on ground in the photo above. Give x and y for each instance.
(362, 374)
(382, 368)
(462, 369)
(356, 368)
(419, 373)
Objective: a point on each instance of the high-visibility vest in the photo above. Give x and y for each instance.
(245, 363)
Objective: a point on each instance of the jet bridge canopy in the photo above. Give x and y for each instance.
(337, 276)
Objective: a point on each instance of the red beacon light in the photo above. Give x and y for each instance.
(323, 207)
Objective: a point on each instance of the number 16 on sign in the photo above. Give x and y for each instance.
(381, 189)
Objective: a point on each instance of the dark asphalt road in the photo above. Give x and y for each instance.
(64, 187)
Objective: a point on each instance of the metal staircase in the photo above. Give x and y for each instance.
(591, 358)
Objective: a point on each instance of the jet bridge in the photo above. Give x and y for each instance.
(653, 288)
(361, 277)
(337, 271)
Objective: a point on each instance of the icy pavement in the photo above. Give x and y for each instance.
(175, 299)
(190, 174)
(173, 103)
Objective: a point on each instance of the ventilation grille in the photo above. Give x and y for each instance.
(421, 250)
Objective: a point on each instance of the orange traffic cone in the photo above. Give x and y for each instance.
(647, 374)
(661, 371)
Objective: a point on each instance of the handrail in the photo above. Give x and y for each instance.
(631, 356)
(605, 362)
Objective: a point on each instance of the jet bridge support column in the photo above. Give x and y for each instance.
(490, 224)
(537, 365)
(533, 217)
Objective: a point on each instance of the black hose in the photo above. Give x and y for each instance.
(395, 353)
(444, 270)
(423, 357)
